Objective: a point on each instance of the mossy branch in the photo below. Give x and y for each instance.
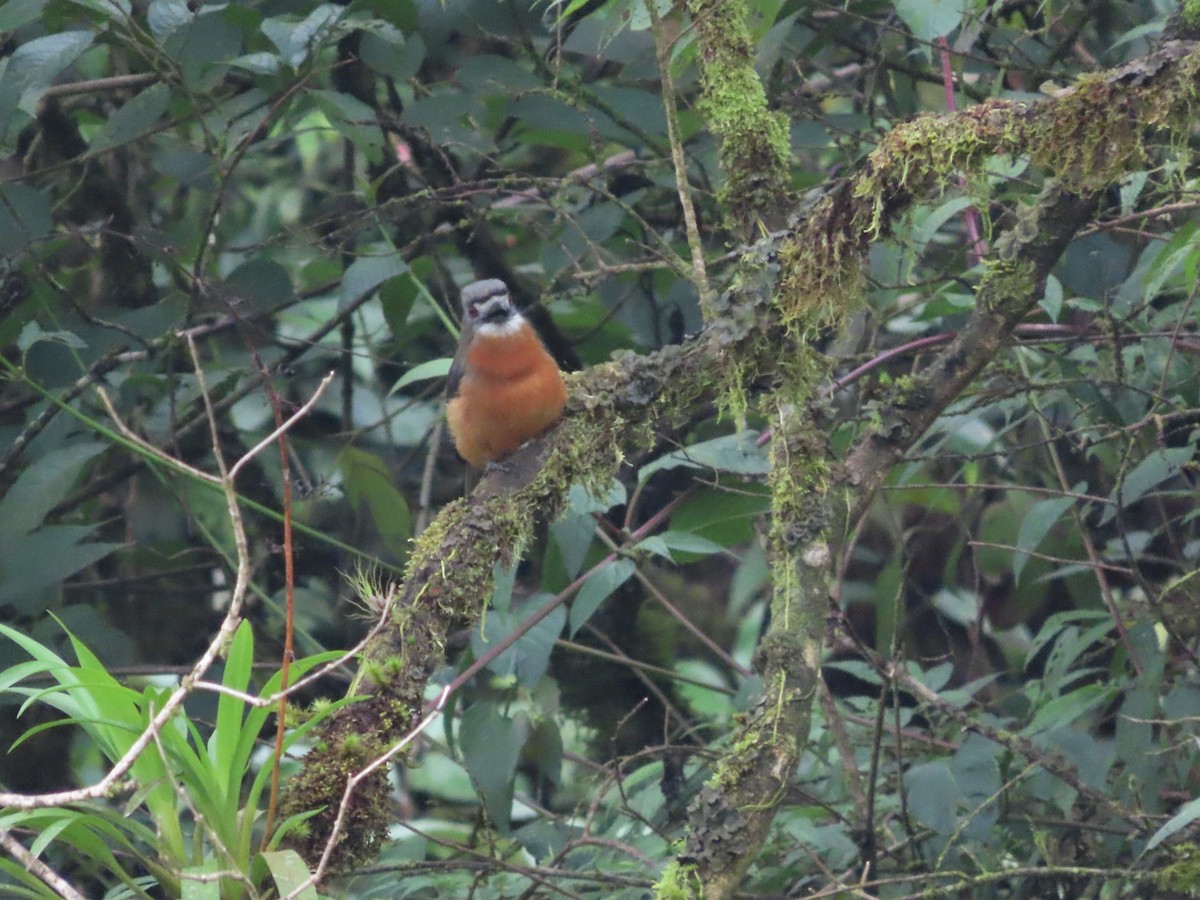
(753, 141)
(788, 285)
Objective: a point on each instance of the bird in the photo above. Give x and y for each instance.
(504, 388)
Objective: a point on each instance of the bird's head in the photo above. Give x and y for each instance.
(488, 308)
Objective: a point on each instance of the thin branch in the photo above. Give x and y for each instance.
(662, 49)
(282, 428)
(56, 882)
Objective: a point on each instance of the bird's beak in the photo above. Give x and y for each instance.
(495, 309)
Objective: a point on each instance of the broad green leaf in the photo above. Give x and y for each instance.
(597, 589)
(933, 796)
(726, 517)
(33, 66)
(1152, 471)
(396, 297)
(543, 839)
(976, 770)
(733, 453)
(200, 887)
(401, 13)
(639, 15)
(1052, 298)
(134, 117)
(261, 281)
(385, 50)
(189, 167)
(529, 657)
(1069, 707)
(573, 533)
(202, 46)
(434, 368)
(289, 872)
(691, 546)
(491, 744)
(297, 41)
(929, 225)
(261, 63)
(1058, 623)
(33, 333)
(1042, 516)
(368, 273)
(369, 484)
(41, 486)
(165, 17)
(1171, 260)
(654, 545)
(930, 19)
(352, 119)
(59, 555)
(544, 749)
(15, 13)
(24, 218)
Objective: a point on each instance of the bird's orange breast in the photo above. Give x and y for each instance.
(511, 391)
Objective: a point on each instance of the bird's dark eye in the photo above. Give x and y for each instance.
(473, 312)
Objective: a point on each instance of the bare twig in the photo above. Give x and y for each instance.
(56, 882)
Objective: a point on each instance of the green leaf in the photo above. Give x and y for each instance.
(226, 736)
(59, 555)
(976, 771)
(1052, 298)
(930, 19)
(733, 453)
(297, 41)
(367, 273)
(434, 368)
(24, 218)
(573, 533)
(41, 486)
(32, 334)
(491, 744)
(928, 226)
(724, 516)
(165, 17)
(202, 45)
(1037, 523)
(529, 657)
(1069, 707)
(1152, 471)
(352, 119)
(689, 546)
(369, 484)
(597, 589)
(15, 13)
(134, 117)
(639, 15)
(1171, 260)
(503, 580)
(31, 69)
(289, 872)
(933, 796)
(261, 281)
(196, 888)
(385, 50)
(1187, 814)
(396, 297)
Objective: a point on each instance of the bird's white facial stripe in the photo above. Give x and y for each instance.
(506, 328)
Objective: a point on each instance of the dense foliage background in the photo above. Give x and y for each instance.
(206, 209)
